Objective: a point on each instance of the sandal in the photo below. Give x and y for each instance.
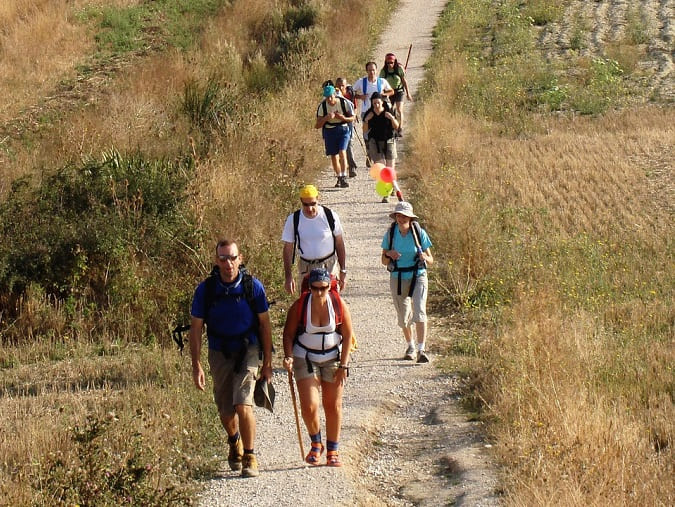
(333, 459)
(314, 454)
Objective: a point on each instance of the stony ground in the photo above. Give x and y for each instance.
(405, 440)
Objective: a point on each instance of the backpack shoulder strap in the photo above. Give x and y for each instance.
(302, 313)
(329, 217)
(210, 291)
(342, 104)
(391, 235)
(364, 85)
(337, 306)
(296, 238)
(379, 85)
(324, 107)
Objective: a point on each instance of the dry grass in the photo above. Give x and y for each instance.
(41, 42)
(557, 243)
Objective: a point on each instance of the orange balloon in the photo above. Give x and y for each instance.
(375, 170)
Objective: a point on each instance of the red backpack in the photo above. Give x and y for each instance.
(334, 294)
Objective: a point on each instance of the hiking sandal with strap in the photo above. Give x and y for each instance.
(314, 454)
(333, 459)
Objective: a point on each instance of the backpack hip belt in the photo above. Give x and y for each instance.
(414, 278)
(317, 261)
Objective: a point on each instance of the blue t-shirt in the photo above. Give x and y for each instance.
(405, 245)
(230, 314)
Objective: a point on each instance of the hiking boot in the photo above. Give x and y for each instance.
(249, 466)
(385, 199)
(338, 183)
(343, 182)
(409, 352)
(422, 357)
(352, 172)
(235, 455)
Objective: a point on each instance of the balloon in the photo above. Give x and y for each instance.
(387, 174)
(383, 188)
(375, 170)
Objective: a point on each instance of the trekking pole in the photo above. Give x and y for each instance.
(405, 67)
(297, 419)
(363, 147)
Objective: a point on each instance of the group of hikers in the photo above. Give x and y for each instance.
(318, 334)
(376, 101)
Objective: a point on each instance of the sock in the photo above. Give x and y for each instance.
(420, 347)
(316, 439)
(232, 439)
(248, 451)
(332, 446)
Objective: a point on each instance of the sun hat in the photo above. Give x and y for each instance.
(328, 90)
(264, 394)
(319, 275)
(308, 192)
(403, 208)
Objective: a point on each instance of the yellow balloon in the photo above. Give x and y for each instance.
(383, 189)
(375, 170)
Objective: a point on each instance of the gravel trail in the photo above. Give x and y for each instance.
(404, 441)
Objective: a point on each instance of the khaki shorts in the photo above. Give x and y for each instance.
(231, 388)
(414, 309)
(382, 150)
(322, 371)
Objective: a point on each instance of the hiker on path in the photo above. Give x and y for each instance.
(394, 73)
(234, 307)
(316, 231)
(371, 83)
(317, 341)
(406, 253)
(334, 116)
(379, 126)
(345, 90)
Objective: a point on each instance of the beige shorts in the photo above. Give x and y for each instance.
(325, 372)
(410, 309)
(229, 387)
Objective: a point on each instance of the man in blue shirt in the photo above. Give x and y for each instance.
(234, 307)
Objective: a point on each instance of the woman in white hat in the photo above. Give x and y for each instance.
(406, 253)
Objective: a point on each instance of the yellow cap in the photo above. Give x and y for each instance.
(308, 192)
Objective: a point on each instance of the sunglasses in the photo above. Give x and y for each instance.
(319, 288)
(309, 204)
(228, 257)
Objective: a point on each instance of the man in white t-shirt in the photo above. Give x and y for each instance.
(373, 84)
(316, 232)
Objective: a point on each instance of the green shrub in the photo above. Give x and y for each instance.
(97, 231)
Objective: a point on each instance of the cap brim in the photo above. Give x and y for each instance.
(264, 394)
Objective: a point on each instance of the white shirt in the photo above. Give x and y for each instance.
(315, 239)
(371, 87)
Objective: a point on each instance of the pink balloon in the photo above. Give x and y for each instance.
(375, 170)
(387, 174)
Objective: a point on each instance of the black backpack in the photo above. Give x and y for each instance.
(416, 230)
(296, 223)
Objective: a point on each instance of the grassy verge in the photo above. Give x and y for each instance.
(558, 256)
(125, 198)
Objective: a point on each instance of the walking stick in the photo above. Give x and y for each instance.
(405, 67)
(297, 419)
(365, 152)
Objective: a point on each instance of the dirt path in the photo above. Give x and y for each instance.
(405, 441)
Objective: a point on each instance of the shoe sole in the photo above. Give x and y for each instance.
(234, 466)
(250, 473)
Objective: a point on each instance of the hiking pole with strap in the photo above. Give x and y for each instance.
(405, 67)
(365, 152)
(297, 418)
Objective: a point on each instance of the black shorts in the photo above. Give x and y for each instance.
(397, 96)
